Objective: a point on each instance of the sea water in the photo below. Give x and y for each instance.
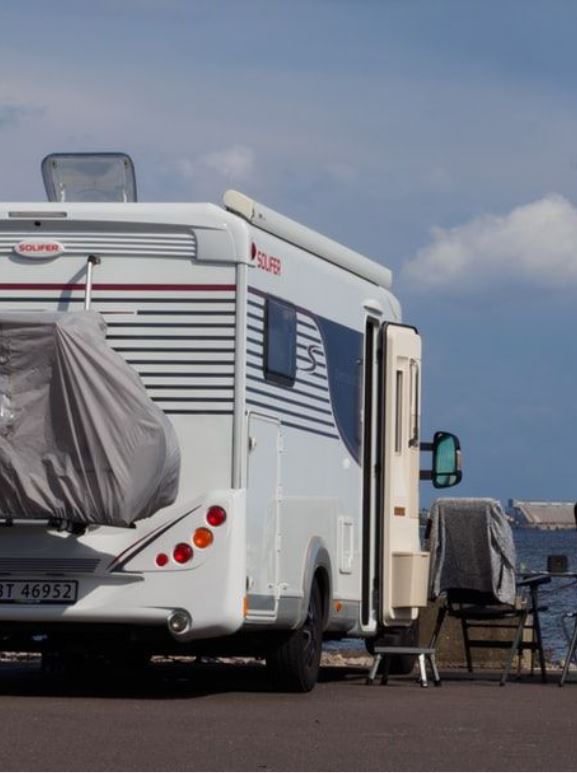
(560, 595)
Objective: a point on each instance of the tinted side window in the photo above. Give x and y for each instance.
(280, 345)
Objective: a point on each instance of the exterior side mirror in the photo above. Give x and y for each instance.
(446, 468)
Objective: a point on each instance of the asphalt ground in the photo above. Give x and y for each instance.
(214, 717)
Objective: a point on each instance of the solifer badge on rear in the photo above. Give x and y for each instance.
(39, 249)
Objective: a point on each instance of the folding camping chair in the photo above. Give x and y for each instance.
(473, 568)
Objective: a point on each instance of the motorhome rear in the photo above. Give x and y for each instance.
(293, 389)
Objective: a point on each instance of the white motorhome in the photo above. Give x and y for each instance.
(293, 387)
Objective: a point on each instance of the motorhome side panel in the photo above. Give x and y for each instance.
(171, 314)
(298, 301)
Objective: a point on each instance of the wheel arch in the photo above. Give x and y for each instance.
(318, 567)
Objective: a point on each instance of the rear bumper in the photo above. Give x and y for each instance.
(210, 591)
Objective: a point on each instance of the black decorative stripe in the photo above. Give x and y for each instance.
(256, 304)
(304, 323)
(303, 382)
(183, 412)
(258, 355)
(292, 390)
(286, 399)
(309, 429)
(66, 295)
(188, 387)
(176, 374)
(168, 338)
(180, 362)
(176, 313)
(192, 399)
(321, 376)
(319, 365)
(256, 343)
(32, 566)
(127, 555)
(299, 380)
(260, 331)
(169, 349)
(306, 348)
(291, 413)
(191, 301)
(255, 317)
(316, 340)
(178, 325)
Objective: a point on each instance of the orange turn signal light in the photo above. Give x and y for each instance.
(203, 537)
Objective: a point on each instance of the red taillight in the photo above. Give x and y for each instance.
(216, 516)
(161, 559)
(182, 553)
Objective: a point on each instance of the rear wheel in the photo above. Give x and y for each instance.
(294, 663)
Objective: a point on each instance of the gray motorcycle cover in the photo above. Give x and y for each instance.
(80, 440)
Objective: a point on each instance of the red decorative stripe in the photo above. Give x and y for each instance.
(144, 287)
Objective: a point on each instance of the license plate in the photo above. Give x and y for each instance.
(38, 591)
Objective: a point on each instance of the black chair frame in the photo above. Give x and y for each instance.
(571, 649)
(477, 610)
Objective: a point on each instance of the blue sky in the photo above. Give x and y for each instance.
(439, 137)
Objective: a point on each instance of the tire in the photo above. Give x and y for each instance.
(294, 663)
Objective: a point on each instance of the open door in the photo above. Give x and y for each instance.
(404, 567)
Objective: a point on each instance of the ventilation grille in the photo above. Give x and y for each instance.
(180, 339)
(31, 566)
(118, 244)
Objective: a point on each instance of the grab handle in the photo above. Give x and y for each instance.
(93, 260)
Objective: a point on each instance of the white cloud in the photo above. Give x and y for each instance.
(536, 242)
(234, 163)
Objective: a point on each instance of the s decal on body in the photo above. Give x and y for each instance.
(313, 352)
(326, 392)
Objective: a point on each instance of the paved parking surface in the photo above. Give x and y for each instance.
(185, 717)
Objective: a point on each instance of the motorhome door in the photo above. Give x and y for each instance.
(262, 520)
(400, 464)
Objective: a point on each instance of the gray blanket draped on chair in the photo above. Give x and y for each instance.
(471, 545)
